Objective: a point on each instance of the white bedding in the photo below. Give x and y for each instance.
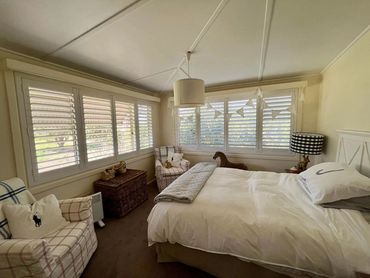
(267, 218)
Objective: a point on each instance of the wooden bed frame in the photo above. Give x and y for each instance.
(353, 149)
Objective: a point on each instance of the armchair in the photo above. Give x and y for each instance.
(164, 175)
(64, 253)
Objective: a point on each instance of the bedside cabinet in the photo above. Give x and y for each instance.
(123, 193)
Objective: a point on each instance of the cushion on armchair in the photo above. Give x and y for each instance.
(175, 159)
(12, 191)
(34, 221)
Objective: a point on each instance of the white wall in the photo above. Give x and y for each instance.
(345, 95)
(81, 184)
(254, 162)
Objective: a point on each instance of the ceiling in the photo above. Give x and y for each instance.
(143, 43)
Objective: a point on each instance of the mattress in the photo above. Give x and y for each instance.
(266, 218)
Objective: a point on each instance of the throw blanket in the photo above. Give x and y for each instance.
(186, 187)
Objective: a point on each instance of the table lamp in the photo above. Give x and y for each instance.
(307, 144)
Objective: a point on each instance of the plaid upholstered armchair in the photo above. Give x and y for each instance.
(64, 253)
(164, 175)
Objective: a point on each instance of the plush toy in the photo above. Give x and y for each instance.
(120, 168)
(167, 164)
(227, 163)
(108, 174)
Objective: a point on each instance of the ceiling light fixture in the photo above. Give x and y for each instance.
(189, 92)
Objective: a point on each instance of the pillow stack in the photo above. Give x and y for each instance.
(336, 185)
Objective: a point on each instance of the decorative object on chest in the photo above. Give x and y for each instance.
(123, 193)
(111, 172)
(226, 163)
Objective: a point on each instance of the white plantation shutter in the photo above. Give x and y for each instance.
(125, 122)
(242, 125)
(254, 123)
(276, 130)
(98, 128)
(145, 126)
(187, 126)
(54, 130)
(212, 124)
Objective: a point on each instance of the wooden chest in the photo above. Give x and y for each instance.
(123, 193)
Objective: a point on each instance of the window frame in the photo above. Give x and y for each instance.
(244, 94)
(24, 81)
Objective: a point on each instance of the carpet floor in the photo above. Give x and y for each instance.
(123, 249)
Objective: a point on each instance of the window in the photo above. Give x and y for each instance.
(54, 130)
(242, 130)
(187, 129)
(68, 129)
(212, 124)
(250, 123)
(125, 123)
(145, 126)
(98, 128)
(277, 122)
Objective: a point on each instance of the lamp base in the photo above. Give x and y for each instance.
(302, 165)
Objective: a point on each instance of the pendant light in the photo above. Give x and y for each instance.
(189, 92)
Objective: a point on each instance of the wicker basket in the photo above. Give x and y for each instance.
(123, 193)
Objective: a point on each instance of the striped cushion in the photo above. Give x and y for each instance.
(12, 191)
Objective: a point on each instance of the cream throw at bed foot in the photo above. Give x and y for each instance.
(186, 187)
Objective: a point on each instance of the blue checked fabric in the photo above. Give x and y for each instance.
(12, 191)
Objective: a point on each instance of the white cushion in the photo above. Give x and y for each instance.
(175, 158)
(34, 221)
(12, 191)
(331, 181)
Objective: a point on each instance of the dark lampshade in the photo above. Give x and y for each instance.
(306, 143)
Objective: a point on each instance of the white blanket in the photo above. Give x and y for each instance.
(266, 218)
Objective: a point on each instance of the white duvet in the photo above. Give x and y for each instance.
(267, 218)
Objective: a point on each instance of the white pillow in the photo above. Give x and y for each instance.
(175, 158)
(331, 181)
(35, 221)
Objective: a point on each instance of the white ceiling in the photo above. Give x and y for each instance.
(143, 42)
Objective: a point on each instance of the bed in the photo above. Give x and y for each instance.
(263, 223)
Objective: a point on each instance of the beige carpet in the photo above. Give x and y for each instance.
(123, 250)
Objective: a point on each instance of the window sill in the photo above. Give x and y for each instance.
(36, 189)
